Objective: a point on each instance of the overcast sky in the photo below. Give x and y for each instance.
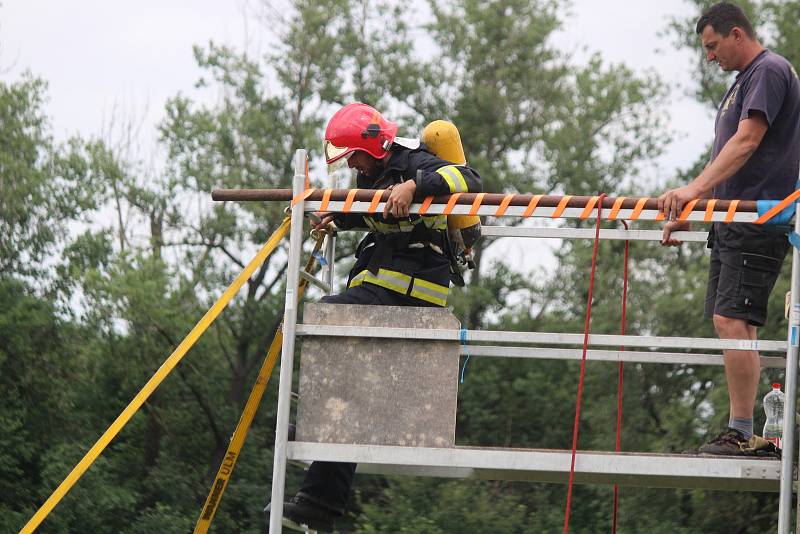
(105, 57)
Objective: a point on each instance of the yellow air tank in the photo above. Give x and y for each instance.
(442, 138)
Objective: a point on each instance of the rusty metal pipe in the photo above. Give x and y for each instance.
(489, 199)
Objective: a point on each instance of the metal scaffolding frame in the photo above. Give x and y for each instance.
(654, 470)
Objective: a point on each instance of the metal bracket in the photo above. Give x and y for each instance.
(315, 281)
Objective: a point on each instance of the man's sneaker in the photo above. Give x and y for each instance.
(729, 442)
(304, 514)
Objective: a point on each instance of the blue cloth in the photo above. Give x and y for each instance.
(320, 258)
(794, 239)
(463, 336)
(783, 217)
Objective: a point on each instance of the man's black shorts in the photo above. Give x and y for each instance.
(745, 262)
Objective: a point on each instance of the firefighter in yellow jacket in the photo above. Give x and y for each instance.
(405, 259)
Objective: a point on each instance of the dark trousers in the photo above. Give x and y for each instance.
(329, 483)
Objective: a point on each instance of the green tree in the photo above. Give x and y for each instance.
(42, 186)
(532, 118)
(776, 27)
(44, 356)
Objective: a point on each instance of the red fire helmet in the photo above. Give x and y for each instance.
(358, 127)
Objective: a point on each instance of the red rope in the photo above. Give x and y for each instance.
(617, 447)
(583, 363)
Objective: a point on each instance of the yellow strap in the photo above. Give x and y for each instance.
(240, 434)
(225, 471)
(155, 380)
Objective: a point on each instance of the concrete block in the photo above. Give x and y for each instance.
(378, 391)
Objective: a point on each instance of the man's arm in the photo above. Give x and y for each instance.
(346, 221)
(731, 158)
(437, 177)
(343, 221)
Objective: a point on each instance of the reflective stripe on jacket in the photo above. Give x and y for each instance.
(404, 284)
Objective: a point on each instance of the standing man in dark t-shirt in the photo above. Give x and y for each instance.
(756, 156)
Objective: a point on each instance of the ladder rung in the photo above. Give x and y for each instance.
(544, 338)
(587, 233)
(315, 281)
(498, 351)
(519, 211)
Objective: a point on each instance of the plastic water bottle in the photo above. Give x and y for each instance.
(773, 407)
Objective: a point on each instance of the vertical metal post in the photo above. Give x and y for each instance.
(790, 404)
(287, 349)
(330, 246)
